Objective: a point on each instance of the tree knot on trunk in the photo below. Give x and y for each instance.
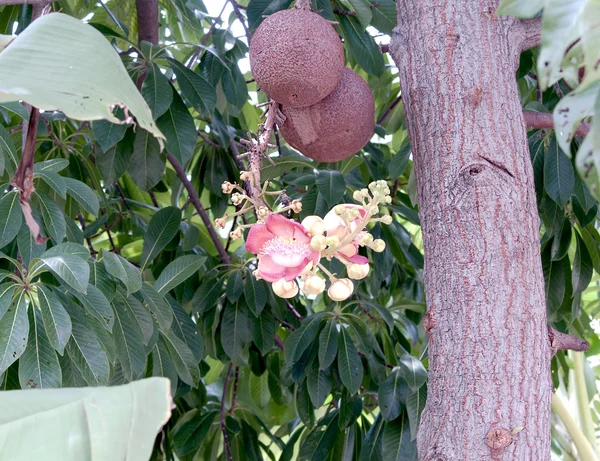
(498, 438)
(428, 322)
(563, 341)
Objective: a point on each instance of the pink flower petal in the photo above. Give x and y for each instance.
(349, 250)
(292, 272)
(257, 237)
(279, 225)
(269, 270)
(300, 233)
(357, 259)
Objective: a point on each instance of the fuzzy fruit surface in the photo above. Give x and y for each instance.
(296, 57)
(336, 127)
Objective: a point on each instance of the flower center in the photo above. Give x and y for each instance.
(286, 252)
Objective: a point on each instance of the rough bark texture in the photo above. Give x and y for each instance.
(489, 365)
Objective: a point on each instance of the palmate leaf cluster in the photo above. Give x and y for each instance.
(130, 283)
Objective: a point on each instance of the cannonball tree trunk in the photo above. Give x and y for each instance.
(489, 353)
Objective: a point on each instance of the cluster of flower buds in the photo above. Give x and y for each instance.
(288, 250)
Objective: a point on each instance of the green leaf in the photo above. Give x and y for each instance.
(113, 163)
(559, 178)
(129, 338)
(320, 441)
(274, 380)
(106, 423)
(57, 322)
(371, 448)
(361, 45)
(582, 267)
(53, 165)
(520, 8)
(12, 217)
(157, 91)
(28, 247)
(163, 226)
(384, 15)
(73, 249)
(392, 395)
(183, 359)
(262, 329)
(38, 67)
(120, 268)
(56, 182)
(235, 87)
(87, 354)
(147, 167)
(178, 271)
(413, 372)
(108, 134)
(400, 161)
(187, 330)
(301, 338)
(14, 330)
(415, 403)
(70, 269)
(328, 344)
(96, 304)
(331, 185)
(259, 390)
(234, 330)
(83, 195)
(318, 384)
(38, 366)
(191, 431)
(349, 364)
(255, 294)
(16, 108)
(396, 442)
(234, 287)
(162, 365)
(8, 153)
(53, 217)
(7, 290)
(159, 306)
(285, 165)
(363, 11)
(200, 93)
(178, 126)
(554, 278)
(207, 295)
(257, 9)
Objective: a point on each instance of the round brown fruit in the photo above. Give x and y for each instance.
(336, 127)
(297, 58)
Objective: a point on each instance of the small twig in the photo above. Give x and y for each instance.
(285, 324)
(120, 191)
(14, 129)
(153, 197)
(386, 364)
(545, 120)
(293, 311)
(196, 53)
(240, 16)
(385, 48)
(365, 310)
(530, 31)
(344, 12)
(26, 2)
(88, 239)
(235, 389)
(562, 341)
(207, 140)
(389, 110)
(279, 343)
(193, 197)
(558, 91)
(375, 5)
(223, 425)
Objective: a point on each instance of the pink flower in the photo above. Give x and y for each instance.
(283, 248)
(335, 226)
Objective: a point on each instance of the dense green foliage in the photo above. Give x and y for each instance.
(131, 284)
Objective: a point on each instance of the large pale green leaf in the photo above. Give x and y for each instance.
(120, 268)
(38, 366)
(57, 323)
(106, 423)
(163, 226)
(60, 63)
(14, 330)
(520, 8)
(392, 395)
(146, 167)
(71, 269)
(177, 272)
(12, 217)
(349, 364)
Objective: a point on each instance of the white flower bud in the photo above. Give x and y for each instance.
(339, 209)
(366, 238)
(237, 199)
(388, 199)
(358, 271)
(262, 212)
(236, 234)
(333, 242)
(357, 196)
(364, 193)
(314, 225)
(245, 175)
(296, 206)
(377, 246)
(220, 222)
(318, 242)
(387, 219)
(285, 289)
(313, 285)
(341, 289)
(227, 187)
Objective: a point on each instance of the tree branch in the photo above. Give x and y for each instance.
(389, 109)
(530, 31)
(147, 16)
(545, 120)
(562, 341)
(193, 197)
(223, 425)
(26, 2)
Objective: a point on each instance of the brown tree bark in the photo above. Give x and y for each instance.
(489, 352)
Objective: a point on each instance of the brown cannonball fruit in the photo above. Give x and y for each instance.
(296, 57)
(336, 127)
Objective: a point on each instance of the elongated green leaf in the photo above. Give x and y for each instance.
(413, 372)
(38, 366)
(301, 338)
(53, 217)
(56, 182)
(57, 322)
(87, 354)
(106, 423)
(371, 448)
(392, 395)
(582, 267)
(259, 390)
(235, 87)
(100, 278)
(177, 272)
(234, 287)
(83, 195)
(120, 268)
(318, 384)
(178, 126)
(146, 167)
(129, 339)
(319, 442)
(144, 319)
(12, 217)
(113, 163)
(200, 93)
(274, 379)
(54, 165)
(207, 295)
(28, 247)
(14, 330)
(255, 294)
(70, 248)
(162, 365)
(71, 269)
(331, 185)
(234, 329)
(186, 330)
(163, 226)
(108, 134)
(328, 344)
(183, 359)
(262, 329)
(415, 403)
(559, 178)
(554, 277)
(96, 304)
(362, 45)
(38, 68)
(159, 306)
(258, 9)
(349, 364)
(191, 431)
(384, 15)
(396, 443)
(8, 152)
(157, 91)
